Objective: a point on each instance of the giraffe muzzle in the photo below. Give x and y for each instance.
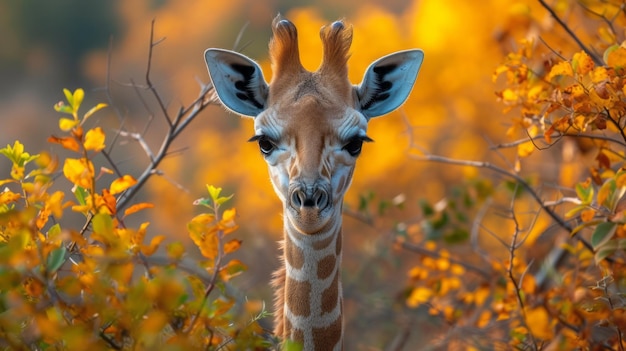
(315, 197)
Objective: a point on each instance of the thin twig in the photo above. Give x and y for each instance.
(558, 137)
(149, 84)
(517, 286)
(569, 31)
(615, 123)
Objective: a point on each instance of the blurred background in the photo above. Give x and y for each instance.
(453, 111)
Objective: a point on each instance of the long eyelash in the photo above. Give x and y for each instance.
(363, 138)
(256, 137)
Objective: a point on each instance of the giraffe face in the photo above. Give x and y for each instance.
(310, 144)
(310, 126)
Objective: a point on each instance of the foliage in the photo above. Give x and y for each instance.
(575, 298)
(103, 285)
(526, 251)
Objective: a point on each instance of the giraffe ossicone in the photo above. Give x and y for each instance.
(310, 127)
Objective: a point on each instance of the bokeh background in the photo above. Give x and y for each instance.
(453, 111)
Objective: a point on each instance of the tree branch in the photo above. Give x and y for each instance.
(569, 31)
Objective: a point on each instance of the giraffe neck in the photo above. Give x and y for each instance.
(309, 305)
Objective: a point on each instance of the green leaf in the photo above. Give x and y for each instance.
(456, 236)
(17, 155)
(585, 192)
(56, 258)
(102, 224)
(223, 199)
(583, 226)
(603, 233)
(63, 108)
(205, 201)
(54, 231)
(81, 194)
(606, 250)
(426, 208)
(291, 345)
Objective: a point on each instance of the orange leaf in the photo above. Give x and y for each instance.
(94, 139)
(148, 250)
(137, 207)
(67, 143)
(107, 203)
(7, 196)
(122, 183)
(232, 246)
(616, 57)
(232, 269)
(587, 215)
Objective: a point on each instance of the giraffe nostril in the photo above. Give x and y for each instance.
(310, 197)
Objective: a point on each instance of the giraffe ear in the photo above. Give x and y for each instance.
(238, 81)
(388, 82)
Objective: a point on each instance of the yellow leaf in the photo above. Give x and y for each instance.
(203, 233)
(538, 322)
(94, 110)
(77, 99)
(175, 251)
(583, 63)
(79, 171)
(599, 74)
(418, 296)
(561, 69)
(66, 124)
(137, 207)
(525, 149)
(122, 183)
(510, 95)
(94, 139)
(152, 325)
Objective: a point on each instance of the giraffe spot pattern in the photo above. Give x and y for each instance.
(298, 297)
(330, 296)
(294, 255)
(326, 338)
(326, 266)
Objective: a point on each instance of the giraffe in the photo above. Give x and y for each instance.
(310, 127)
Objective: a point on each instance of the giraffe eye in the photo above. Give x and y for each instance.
(354, 147)
(266, 146)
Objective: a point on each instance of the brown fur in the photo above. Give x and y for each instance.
(278, 283)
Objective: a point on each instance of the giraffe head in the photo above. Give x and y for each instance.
(310, 126)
